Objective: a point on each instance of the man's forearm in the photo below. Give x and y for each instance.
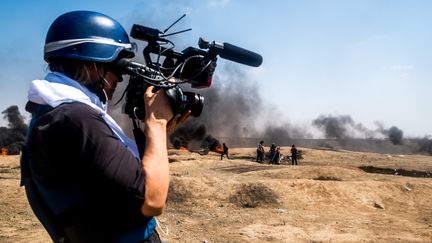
(156, 169)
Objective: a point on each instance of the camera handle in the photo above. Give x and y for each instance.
(140, 138)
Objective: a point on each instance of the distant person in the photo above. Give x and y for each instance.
(260, 152)
(276, 156)
(225, 151)
(294, 155)
(272, 151)
(273, 147)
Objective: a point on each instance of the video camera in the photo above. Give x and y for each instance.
(163, 64)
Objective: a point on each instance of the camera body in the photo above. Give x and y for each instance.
(163, 64)
(196, 69)
(180, 101)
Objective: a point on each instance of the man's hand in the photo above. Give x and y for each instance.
(157, 105)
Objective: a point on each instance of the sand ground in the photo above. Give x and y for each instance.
(326, 198)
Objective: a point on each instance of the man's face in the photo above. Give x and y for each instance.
(112, 79)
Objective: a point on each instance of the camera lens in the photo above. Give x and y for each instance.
(182, 101)
(194, 102)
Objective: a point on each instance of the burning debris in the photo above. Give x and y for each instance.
(12, 138)
(194, 136)
(4, 151)
(211, 144)
(187, 134)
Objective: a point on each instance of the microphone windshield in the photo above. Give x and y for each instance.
(240, 55)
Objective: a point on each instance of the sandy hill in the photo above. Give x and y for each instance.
(326, 198)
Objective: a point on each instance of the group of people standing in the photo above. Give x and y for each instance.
(275, 154)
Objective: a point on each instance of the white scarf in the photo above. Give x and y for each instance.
(57, 89)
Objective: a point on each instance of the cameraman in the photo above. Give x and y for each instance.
(84, 179)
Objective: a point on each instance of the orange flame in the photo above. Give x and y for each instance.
(184, 149)
(219, 149)
(4, 151)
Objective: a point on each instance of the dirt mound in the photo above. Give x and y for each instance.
(253, 195)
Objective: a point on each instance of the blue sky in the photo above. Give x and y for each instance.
(370, 59)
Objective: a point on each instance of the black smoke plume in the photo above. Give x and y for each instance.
(284, 133)
(231, 107)
(276, 135)
(210, 143)
(334, 127)
(395, 135)
(343, 127)
(185, 134)
(13, 136)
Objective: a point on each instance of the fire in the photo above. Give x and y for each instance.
(184, 149)
(4, 151)
(219, 149)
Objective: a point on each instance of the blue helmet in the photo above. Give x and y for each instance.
(87, 36)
